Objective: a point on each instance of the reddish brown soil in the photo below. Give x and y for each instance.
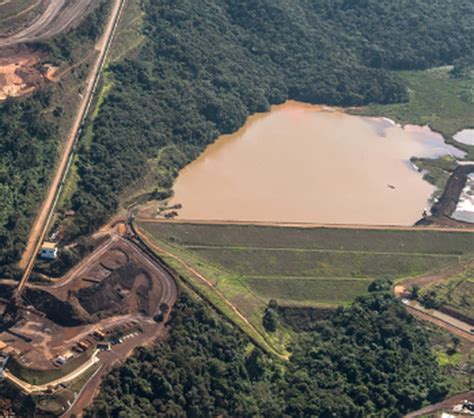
(22, 73)
(434, 278)
(69, 310)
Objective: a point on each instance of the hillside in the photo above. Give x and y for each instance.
(204, 67)
(250, 265)
(207, 369)
(33, 127)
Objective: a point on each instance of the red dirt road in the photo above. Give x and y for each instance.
(446, 322)
(446, 405)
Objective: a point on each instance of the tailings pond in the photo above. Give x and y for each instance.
(310, 164)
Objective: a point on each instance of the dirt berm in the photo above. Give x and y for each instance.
(446, 205)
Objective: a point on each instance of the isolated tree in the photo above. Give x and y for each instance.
(455, 340)
(415, 291)
(381, 285)
(270, 320)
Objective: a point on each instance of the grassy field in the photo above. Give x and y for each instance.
(299, 290)
(364, 240)
(322, 263)
(248, 265)
(436, 99)
(457, 293)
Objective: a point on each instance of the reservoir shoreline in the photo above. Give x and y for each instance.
(278, 168)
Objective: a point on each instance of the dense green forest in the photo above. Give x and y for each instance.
(205, 66)
(29, 139)
(371, 359)
(27, 149)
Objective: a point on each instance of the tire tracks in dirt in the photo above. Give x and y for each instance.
(58, 16)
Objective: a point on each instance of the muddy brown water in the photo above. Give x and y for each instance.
(303, 163)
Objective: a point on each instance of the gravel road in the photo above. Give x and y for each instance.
(57, 17)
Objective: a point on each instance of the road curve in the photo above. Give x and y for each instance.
(58, 16)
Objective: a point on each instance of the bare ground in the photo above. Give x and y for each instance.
(110, 302)
(58, 16)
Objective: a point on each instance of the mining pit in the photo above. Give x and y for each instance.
(23, 71)
(115, 288)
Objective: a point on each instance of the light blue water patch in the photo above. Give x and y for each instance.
(465, 137)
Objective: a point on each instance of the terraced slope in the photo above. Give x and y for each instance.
(252, 264)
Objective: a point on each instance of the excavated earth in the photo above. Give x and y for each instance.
(23, 73)
(116, 286)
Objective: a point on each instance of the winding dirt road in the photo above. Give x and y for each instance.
(58, 16)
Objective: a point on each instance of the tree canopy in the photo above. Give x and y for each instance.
(371, 359)
(205, 66)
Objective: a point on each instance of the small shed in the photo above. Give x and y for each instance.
(49, 251)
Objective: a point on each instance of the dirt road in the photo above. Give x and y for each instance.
(453, 325)
(29, 388)
(41, 223)
(446, 405)
(434, 278)
(57, 17)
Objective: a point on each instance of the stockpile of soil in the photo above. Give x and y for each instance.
(129, 289)
(62, 313)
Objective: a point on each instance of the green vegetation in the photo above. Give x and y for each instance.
(455, 358)
(437, 98)
(41, 377)
(455, 296)
(249, 265)
(329, 263)
(371, 359)
(204, 67)
(351, 240)
(31, 130)
(27, 151)
(306, 290)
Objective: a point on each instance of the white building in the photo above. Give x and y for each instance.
(49, 251)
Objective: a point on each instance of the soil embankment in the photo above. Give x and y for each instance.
(445, 207)
(114, 284)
